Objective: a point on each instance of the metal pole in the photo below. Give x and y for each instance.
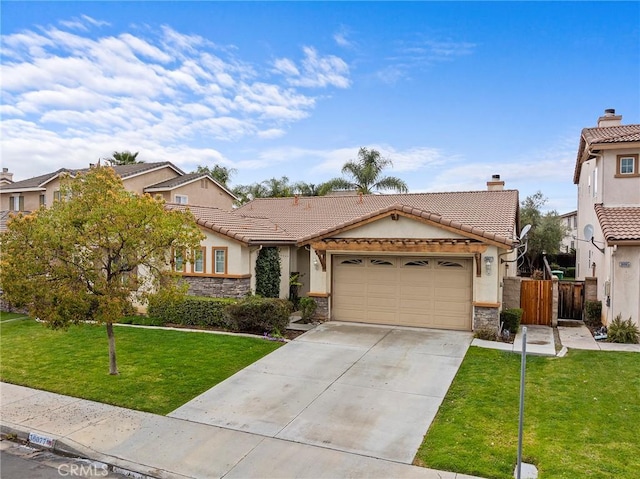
(521, 418)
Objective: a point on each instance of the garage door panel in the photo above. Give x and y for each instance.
(424, 292)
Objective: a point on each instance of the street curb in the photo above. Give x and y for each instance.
(67, 447)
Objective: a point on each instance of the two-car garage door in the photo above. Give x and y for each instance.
(407, 291)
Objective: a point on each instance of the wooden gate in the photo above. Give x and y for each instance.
(536, 301)
(570, 299)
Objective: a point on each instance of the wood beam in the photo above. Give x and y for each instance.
(460, 248)
(322, 256)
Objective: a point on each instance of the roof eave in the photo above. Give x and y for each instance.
(22, 190)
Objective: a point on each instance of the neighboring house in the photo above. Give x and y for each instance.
(570, 222)
(427, 260)
(607, 173)
(162, 178)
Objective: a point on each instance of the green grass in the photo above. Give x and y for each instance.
(159, 370)
(7, 316)
(582, 415)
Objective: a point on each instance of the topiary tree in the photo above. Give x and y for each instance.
(268, 273)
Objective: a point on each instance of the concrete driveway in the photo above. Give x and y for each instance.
(368, 390)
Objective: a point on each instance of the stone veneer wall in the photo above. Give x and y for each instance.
(218, 287)
(486, 318)
(511, 292)
(322, 312)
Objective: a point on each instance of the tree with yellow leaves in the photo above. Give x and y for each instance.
(92, 253)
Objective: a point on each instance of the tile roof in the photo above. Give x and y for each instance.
(123, 171)
(619, 223)
(601, 135)
(489, 212)
(241, 228)
(612, 134)
(172, 183)
(177, 181)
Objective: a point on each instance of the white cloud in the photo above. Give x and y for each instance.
(341, 39)
(315, 71)
(85, 87)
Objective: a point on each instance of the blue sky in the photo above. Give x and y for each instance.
(451, 92)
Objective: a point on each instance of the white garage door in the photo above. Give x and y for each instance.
(407, 291)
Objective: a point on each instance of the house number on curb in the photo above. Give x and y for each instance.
(41, 440)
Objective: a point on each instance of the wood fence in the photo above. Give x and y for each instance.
(536, 300)
(570, 299)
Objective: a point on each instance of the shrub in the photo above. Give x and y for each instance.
(593, 313)
(571, 273)
(510, 319)
(487, 334)
(259, 315)
(307, 307)
(620, 331)
(189, 310)
(141, 320)
(268, 273)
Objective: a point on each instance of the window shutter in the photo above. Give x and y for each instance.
(21, 203)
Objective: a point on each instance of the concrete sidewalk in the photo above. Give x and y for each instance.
(580, 337)
(165, 447)
(540, 342)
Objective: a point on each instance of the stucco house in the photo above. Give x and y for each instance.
(570, 222)
(426, 260)
(607, 173)
(162, 178)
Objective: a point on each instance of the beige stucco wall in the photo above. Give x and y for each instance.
(620, 287)
(237, 254)
(197, 195)
(139, 182)
(586, 253)
(624, 281)
(618, 191)
(486, 288)
(31, 200)
(401, 228)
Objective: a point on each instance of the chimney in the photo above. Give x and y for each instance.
(495, 184)
(6, 178)
(609, 119)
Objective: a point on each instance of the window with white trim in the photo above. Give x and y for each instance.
(627, 165)
(198, 265)
(16, 203)
(181, 199)
(178, 261)
(220, 260)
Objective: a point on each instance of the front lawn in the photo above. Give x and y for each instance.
(8, 316)
(581, 416)
(159, 370)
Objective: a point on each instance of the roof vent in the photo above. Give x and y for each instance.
(496, 184)
(609, 119)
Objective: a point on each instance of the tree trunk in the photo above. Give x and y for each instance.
(113, 368)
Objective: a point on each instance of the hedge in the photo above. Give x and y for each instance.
(259, 315)
(510, 319)
(190, 310)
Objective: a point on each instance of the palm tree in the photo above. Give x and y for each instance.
(365, 175)
(120, 158)
(277, 187)
(309, 189)
(221, 174)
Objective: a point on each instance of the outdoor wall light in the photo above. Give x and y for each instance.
(488, 260)
(315, 262)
